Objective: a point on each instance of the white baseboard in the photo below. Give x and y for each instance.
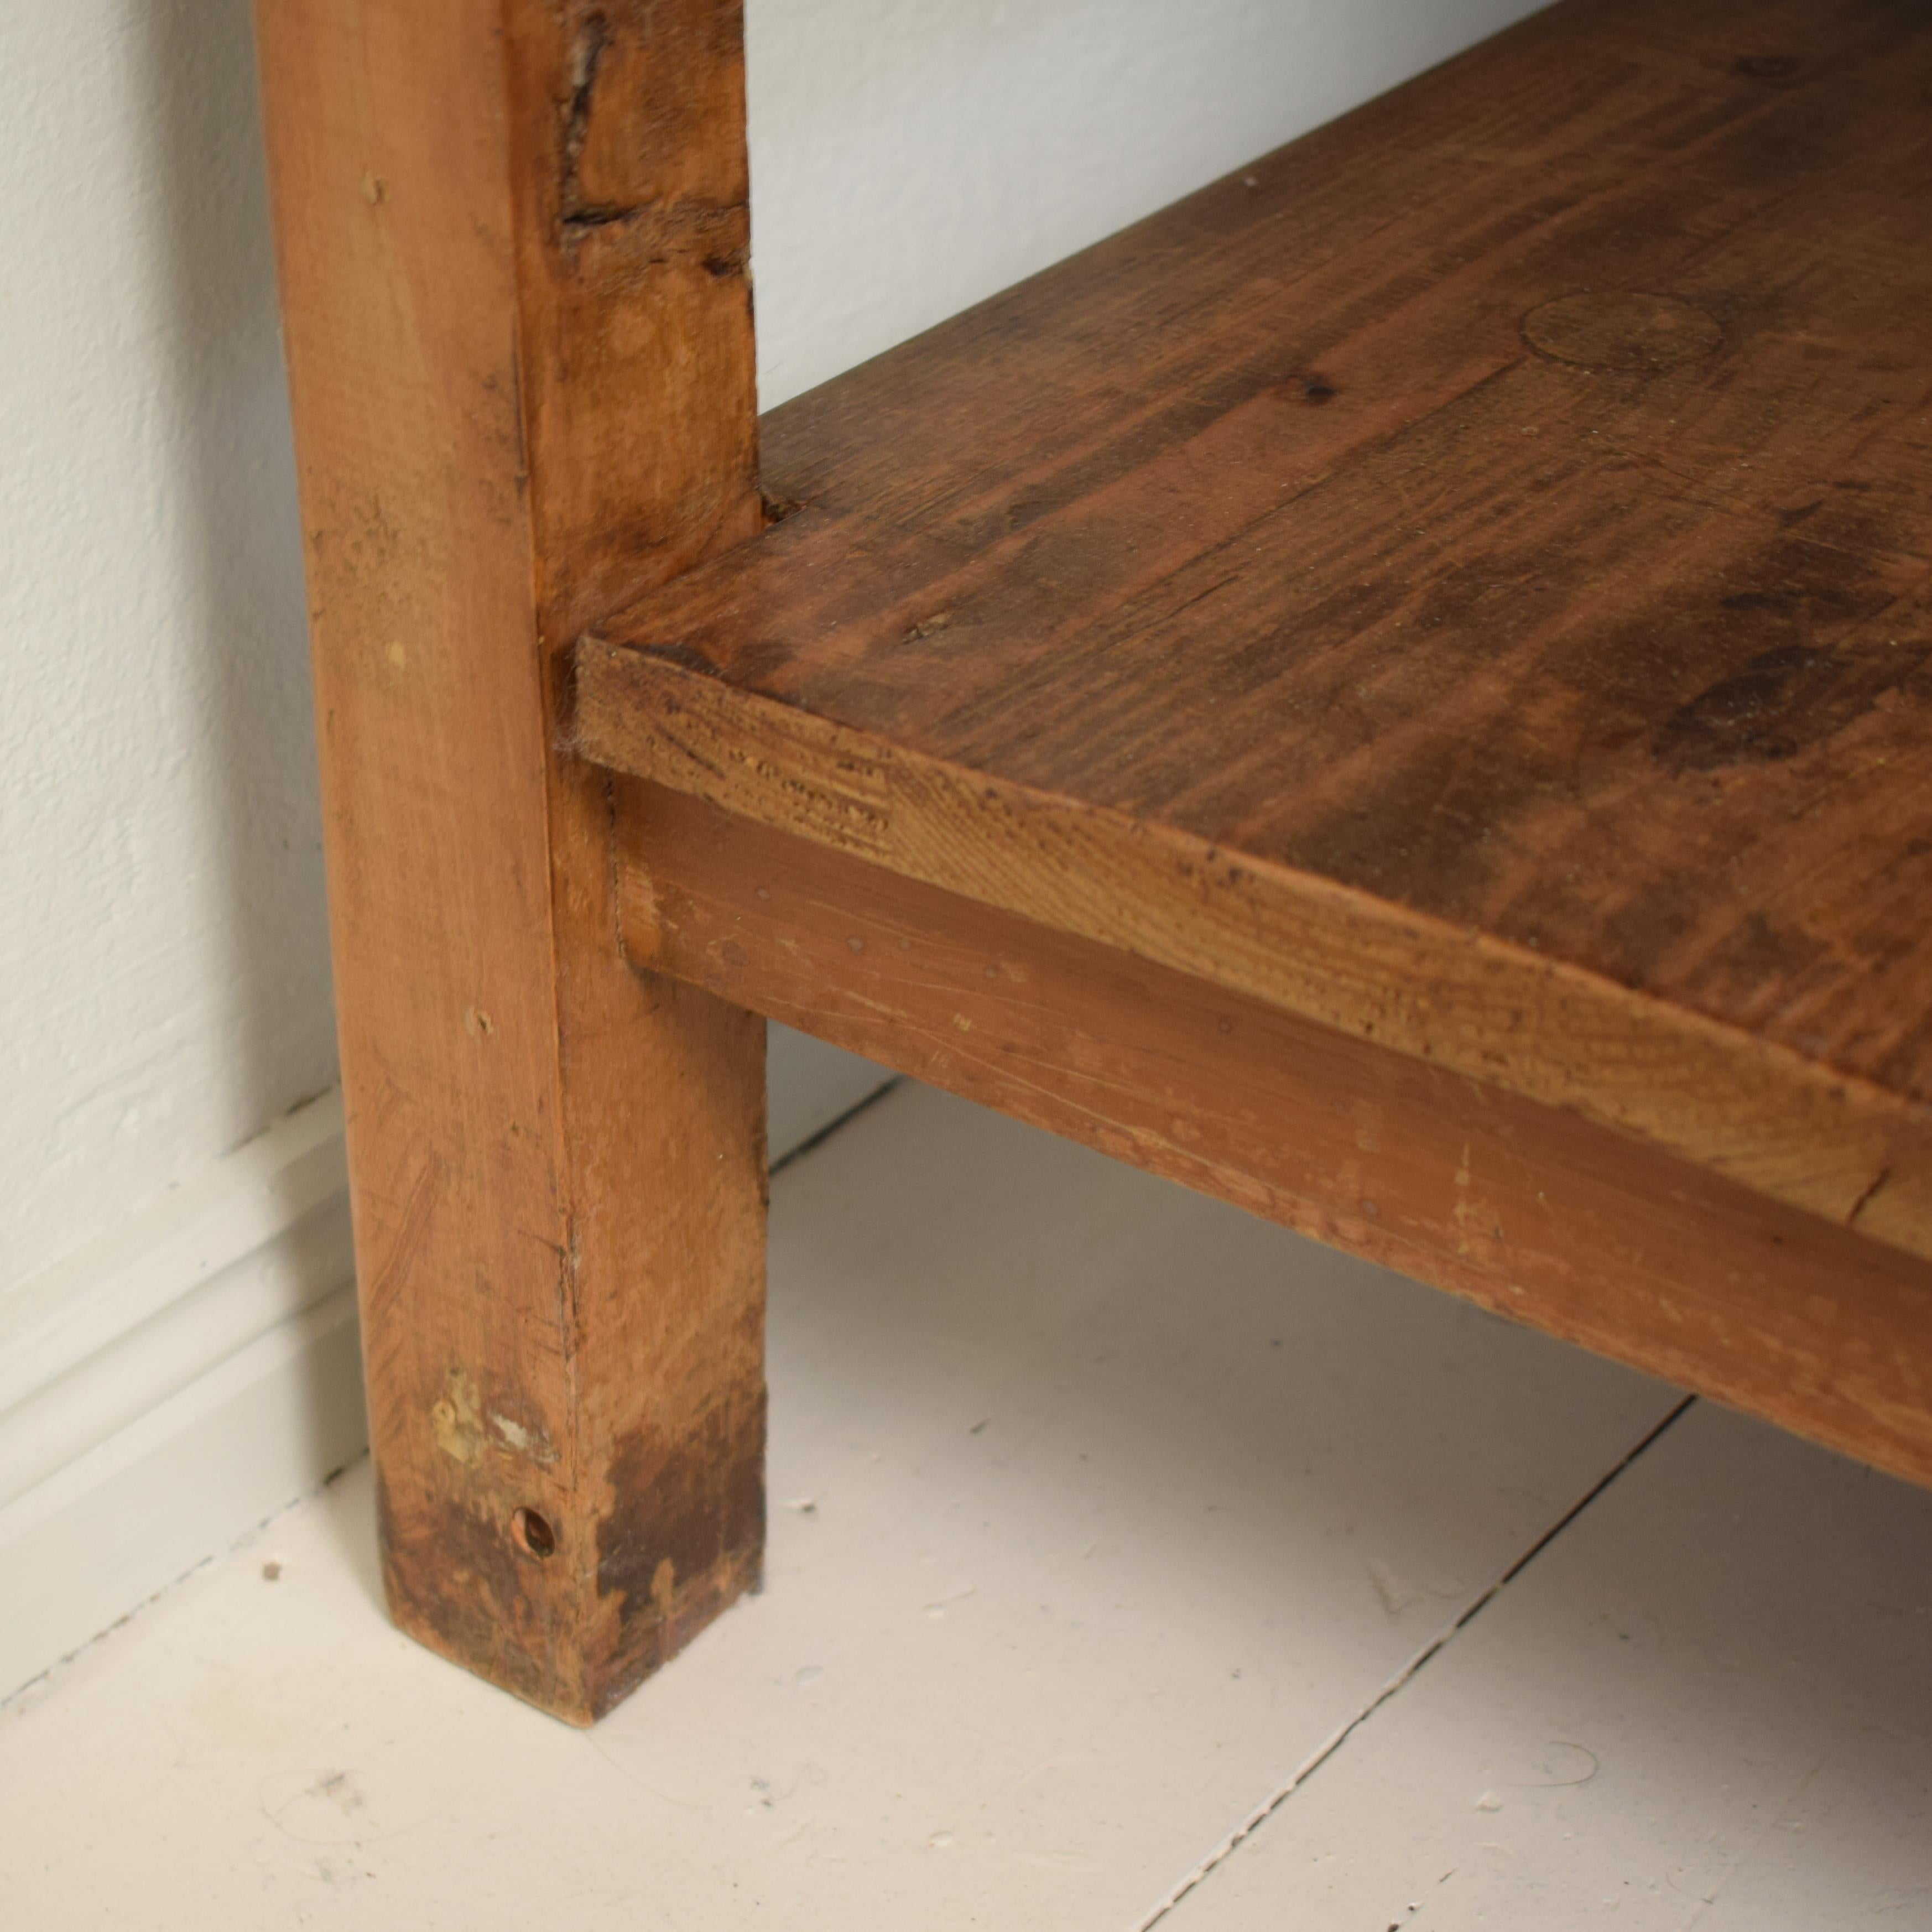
(198, 1370)
(83, 1549)
(190, 1372)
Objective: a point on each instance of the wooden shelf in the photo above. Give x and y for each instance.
(1463, 580)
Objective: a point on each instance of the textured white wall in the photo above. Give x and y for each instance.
(162, 945)
(909, 157)
(162, 948)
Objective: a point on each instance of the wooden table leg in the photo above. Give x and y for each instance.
(512, 240)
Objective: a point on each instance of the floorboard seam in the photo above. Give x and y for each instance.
(1419, 1662)
(814, 1141)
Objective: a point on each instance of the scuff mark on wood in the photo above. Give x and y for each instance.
(1865, 1199)
(456, 1419)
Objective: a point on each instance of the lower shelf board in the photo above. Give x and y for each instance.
(1465, 580)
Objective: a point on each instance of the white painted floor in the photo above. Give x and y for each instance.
(1106, 1521)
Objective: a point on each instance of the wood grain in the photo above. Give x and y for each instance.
(1466, 581)
(1532, 1211)
(512, 245)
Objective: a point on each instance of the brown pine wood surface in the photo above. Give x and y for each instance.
(510, 237)
(1533, 1211)
(1466, 580)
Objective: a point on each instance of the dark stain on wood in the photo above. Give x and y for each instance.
(688, 657)
(1781, 701)
(488, 1606)
(684, 1533)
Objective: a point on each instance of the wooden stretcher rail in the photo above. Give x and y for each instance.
(1533, 1211)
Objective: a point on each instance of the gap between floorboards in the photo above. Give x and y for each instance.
(1407, 1674)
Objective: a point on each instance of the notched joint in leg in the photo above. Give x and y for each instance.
(587, 55)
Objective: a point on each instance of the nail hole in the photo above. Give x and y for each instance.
(534, 1537)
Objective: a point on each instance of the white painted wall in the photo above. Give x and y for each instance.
(162, 944)
(910, 157)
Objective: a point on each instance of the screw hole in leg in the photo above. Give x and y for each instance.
(534, 1535)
